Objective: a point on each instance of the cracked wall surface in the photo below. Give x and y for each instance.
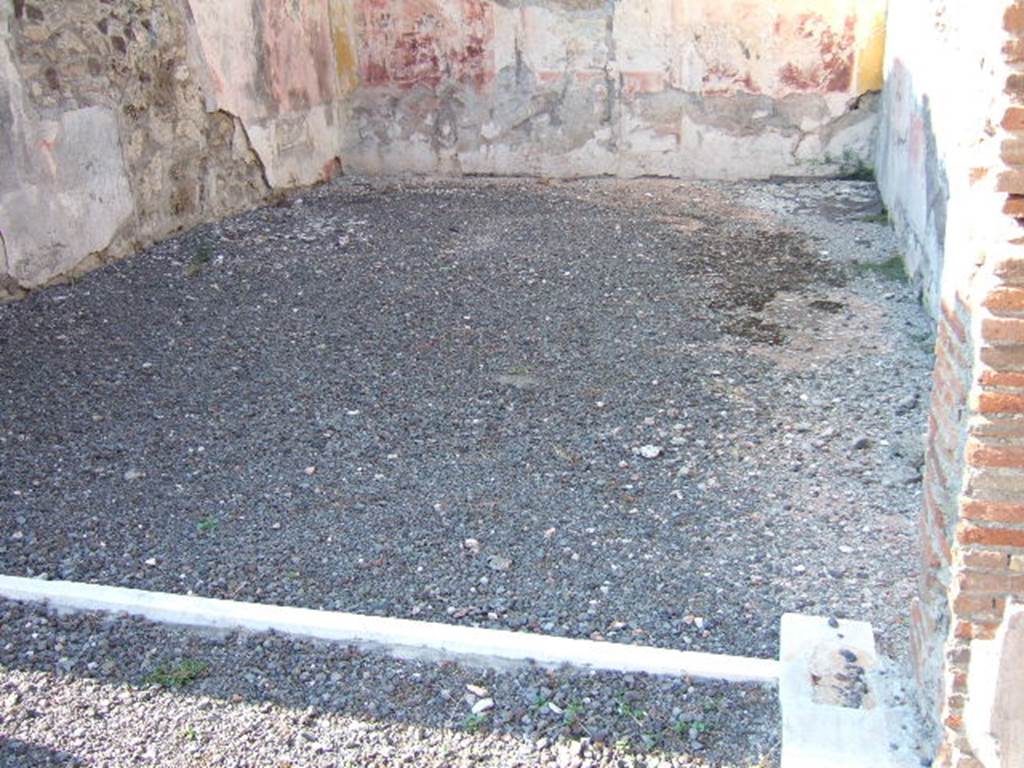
(283, 70)
(725, 89)
(125, 120)
(122, 121)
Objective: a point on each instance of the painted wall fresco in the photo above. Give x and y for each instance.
(731, 88)
(940, 89)
(284, 68)
(198, 107)
(104, 142)
(125, 120)
(737, 45)
(425, 42)
(940, 168)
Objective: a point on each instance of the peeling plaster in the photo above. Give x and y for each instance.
(283, 70)
(292, 92)
(426, 42)
(729, 88)
(6, 271)
(346, 61)
(64, 192)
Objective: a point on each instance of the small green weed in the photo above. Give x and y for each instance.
(208, 524)
(571, 714)
(853, 168)
(876, 218)
(631, 710)
(685, 728)
(179, 675)
(200, 258)
(890, 269)
(473, 723)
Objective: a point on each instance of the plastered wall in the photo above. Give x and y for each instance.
(124, 120)
(943, 71)
(694, 88)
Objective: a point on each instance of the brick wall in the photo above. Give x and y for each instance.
(931, 615)
(972, 523)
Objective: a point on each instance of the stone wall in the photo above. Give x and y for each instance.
(951, 145)
(122, 121)
(691, 88)
(125, 120)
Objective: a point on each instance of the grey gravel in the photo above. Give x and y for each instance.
(101, 691)
(480, 360)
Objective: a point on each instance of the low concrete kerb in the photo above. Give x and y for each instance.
(400, 637)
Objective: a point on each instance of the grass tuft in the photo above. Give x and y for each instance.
(179, 675)
(200, 258)
(891, 269)
(208, 524)
(853, 168)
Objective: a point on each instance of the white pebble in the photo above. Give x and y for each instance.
(482, 706)
(651, 451)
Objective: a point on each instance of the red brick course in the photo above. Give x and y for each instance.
(1002, 379)
(1000, 402)
(990, 536)
(971, 527)
(993, 512)
(1002, 331)
(1004, 358)
(1003, 456)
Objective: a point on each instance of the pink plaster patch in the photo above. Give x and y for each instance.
(916, 143)
(722, 79)
(300, 57)
(549, 77)
(832, 68)
(331, 169)
(634, 83)
(425, 42)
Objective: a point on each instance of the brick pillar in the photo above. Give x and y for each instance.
(937, 628)
(972, 524)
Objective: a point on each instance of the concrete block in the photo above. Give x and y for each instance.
(833, 701)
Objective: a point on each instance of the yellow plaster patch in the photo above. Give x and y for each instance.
(344, 46)
(871, 57)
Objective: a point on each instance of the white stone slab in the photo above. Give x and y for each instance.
(402, 637)
(826, 721)
(995, 711)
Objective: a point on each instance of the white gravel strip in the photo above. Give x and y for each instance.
(401, 636)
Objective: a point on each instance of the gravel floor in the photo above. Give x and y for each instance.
(97, 691)
(648, 411)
